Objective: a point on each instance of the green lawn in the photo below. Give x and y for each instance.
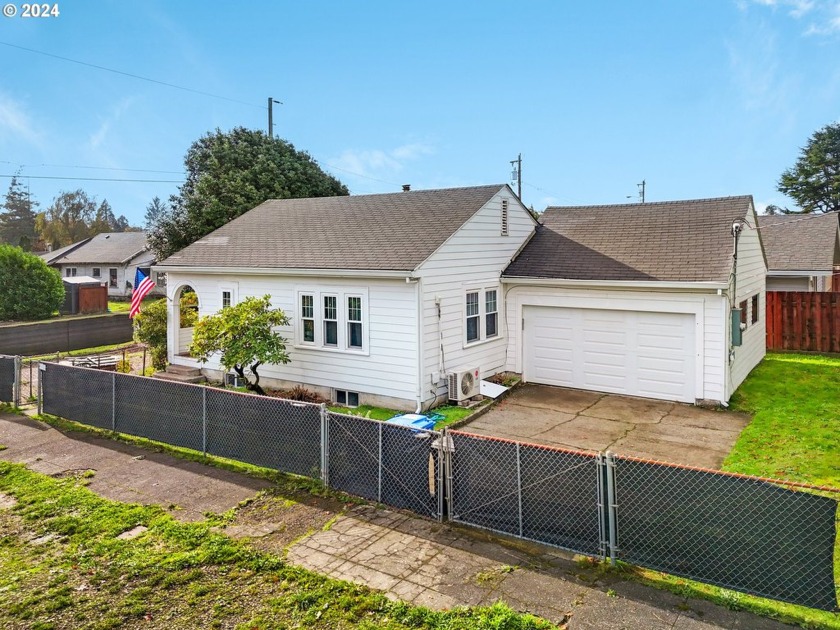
(62, 566)
(795, 431)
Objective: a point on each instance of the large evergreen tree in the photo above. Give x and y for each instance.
(814, 181)
(227, 175)
(17, 217)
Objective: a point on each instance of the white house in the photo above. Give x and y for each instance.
(388, 294)
(112, 257)
(803, 251)
(377, 287)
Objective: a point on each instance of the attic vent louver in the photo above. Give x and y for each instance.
(505, 230)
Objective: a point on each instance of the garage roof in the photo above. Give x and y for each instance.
(672, 241)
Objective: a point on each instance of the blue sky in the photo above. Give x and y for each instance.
(699, 99)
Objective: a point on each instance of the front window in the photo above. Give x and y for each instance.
(97, 272)
(71, 272)
(473, 318)
(307, 318)
(112, 278)
(330, 320)
(354, 322)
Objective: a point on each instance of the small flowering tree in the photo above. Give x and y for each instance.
(243, 335)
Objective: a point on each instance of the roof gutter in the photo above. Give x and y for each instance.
(645, 285)
(804, 272)
(274, 271)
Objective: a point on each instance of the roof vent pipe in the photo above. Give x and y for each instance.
(406, 187)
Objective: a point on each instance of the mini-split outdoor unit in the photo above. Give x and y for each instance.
(463, 384)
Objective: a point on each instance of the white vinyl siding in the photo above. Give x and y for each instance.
(387, 366)
(471, 260)
(751, 276)
(704, 309)
(789, 283)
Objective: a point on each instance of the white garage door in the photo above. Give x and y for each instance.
(623, 352)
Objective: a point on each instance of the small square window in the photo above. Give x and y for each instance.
(755, 308)
(347, 399)
(96, 272)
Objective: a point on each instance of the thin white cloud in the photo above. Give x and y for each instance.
(823, 16)
(378, 163)
(16, 123)
(99, 136)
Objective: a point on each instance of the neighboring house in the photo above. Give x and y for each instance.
(635, 299)
(388, 294)
(376, 287)
(803, 251)
(112, 257)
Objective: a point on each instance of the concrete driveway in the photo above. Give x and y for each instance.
(638, 427)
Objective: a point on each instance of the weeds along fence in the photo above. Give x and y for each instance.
(764, 537)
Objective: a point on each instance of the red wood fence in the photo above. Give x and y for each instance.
(799, 320)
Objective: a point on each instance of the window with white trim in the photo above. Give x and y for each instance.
(71, 272)
(332, 319)
(307, 317)
(96, 272)
(481, 315)
(227, 299)
(491, 314)
(227, 295)
(354, 322)
(473, 317)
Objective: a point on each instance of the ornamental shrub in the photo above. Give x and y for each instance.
(29, 289)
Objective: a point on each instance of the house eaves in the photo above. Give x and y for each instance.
(640, 285)
(272, 271)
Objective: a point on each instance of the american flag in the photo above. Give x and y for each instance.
(142, 285)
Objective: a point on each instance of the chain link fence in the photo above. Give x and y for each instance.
(387, 463)
(764, 537)
(534, 492)
(743, 533)
(279, 434)
(9, 379)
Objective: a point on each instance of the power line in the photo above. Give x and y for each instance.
(129, 74)
(95, 168)
(97, 179)
(381, 181)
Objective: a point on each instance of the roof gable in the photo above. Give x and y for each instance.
(393, 231)
(796, 242)
(675, 241)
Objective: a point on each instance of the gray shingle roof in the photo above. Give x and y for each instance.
(677, 241)
(49, 257)
(394, 231)
(111, 247)
(795, 242)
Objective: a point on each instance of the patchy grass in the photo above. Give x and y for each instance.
(794, 434)
(115, 347)
(62, 565)
(450, 413)
(124, 307)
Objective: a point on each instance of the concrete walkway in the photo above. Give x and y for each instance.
(417, 560)
(592, 421)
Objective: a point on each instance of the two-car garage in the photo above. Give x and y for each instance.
(637, 353)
